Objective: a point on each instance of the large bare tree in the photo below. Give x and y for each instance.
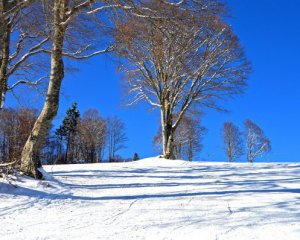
(63, 13)
(190, 58)
(233, 142)
(256, 141)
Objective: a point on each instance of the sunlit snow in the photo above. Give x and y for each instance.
(155, 199)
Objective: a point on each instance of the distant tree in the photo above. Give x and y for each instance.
(68, 131)
(233, 142)
(118, 158)
(51, 151)
(136, 157)
(59, 134)
(92, 135)
(187, 137)
(256, 141)
(15, 125)
(116, 137)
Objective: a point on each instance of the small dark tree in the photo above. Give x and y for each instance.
(68, 130)
(233, 142)
(136, 157)
(256, 141)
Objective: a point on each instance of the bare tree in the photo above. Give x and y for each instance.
(116, 137)
(256, 141)
(24, 36)
(192, 133)
(15, 125)
(64, 13)
(233, 142)
(92, 134)
(190, 59)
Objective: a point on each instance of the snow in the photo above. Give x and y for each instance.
(155, 199)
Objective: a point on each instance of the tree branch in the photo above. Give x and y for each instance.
(27, 82)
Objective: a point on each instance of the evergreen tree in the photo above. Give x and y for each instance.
(136, 157)
(68, 131)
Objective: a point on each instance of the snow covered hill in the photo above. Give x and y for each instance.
(155, 199)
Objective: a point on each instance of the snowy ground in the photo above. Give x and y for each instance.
(155, 199)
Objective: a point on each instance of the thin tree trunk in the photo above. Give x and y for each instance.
(249, 155)
(3, 157)
(30, 156)
(66, 154)
(229, 153)
(190, 151)
(4, 59)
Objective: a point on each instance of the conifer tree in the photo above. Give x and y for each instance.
(136, 157)
(68, 131)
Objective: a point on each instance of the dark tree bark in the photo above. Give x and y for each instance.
(4, 59)
(167, 134)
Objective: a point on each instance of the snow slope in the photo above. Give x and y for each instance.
(155, 199)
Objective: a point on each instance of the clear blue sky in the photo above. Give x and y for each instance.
(269, 30)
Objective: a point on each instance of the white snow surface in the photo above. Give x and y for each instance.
(154, 199)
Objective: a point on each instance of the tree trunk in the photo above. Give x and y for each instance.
(229, 153)
(190, 151)
(31, 152)
(3, 150)
(167, 134)
(250, 157)
(66, 153)
(4, 59)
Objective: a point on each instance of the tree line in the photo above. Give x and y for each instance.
(176, 56)
(79, 139)
(85, 138)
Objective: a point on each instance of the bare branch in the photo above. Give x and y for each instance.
(32, 51)
(77, 55)
(37, 82)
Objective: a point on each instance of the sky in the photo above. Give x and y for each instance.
(270, 33)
